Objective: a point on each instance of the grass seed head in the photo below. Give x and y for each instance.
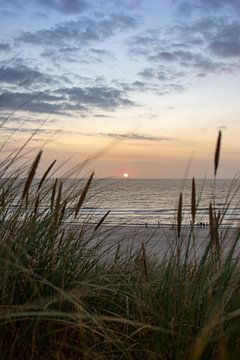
(217, 152)
(31, 175)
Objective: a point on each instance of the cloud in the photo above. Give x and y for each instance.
(31, 102)
(164, 74)
(63, 6)
(167, 58)
(23, 130)
(226, 48)
(222, 127)
(164, 56)
(226, 42)
(164, 80)
(21, 74)
(129, 4)
(134, 136)
(158, 88)
(65, 100)
(138, 44)
(219, 36)
(97, 97)
(118, 136)
(185, 50)
(147, 73)
(102, 116)
(184, 60)
(184, 8)
(188, 7)
(4, 47)
(78, 54)
(40, 15)
(84, 31)
(7, 14)
(100, 54)
(219, 4)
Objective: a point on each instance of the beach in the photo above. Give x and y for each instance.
(160, 242)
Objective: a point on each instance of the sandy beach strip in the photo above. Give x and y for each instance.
(160, 241)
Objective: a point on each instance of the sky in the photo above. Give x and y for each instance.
(135, 86)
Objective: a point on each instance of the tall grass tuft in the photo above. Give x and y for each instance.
(70, 289)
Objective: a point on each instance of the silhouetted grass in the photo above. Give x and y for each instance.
(62, 298)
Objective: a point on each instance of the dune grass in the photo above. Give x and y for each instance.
(61, 299)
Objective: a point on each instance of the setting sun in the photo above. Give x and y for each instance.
(125, 175)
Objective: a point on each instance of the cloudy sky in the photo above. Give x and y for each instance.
(144, 84)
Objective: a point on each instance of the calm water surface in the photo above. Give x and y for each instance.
(141, 201)
(154, 201)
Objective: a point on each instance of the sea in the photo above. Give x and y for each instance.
(149, 202)
(154, 202)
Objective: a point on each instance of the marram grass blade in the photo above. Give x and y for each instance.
(217, 152)
(83, 195)
(31, 174)
(45, 175)
(53, 194)
(179, 215)
(58, 202)
(144, 260)
(36, 205)
(101, 221)
(193, 201)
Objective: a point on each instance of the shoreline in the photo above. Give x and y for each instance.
(159, 242)
(153, 225)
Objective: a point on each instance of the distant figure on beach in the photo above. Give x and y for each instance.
(158, 224)
(202, 224)
(146, 225)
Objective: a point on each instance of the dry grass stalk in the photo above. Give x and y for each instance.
(45, 175)
(53, 194)
(117, 253)
(193, 201)
(179, 216)
(211, 220)
(59, 196)
(31, 175)
(58, 199)
(222, 347)
(83, 195)
(144, 260)
(101, 221)
(204, 334)
(57, 208)
(3, 199)
(36, 205)
(63, 209)
(217, 153)
(214, 225)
